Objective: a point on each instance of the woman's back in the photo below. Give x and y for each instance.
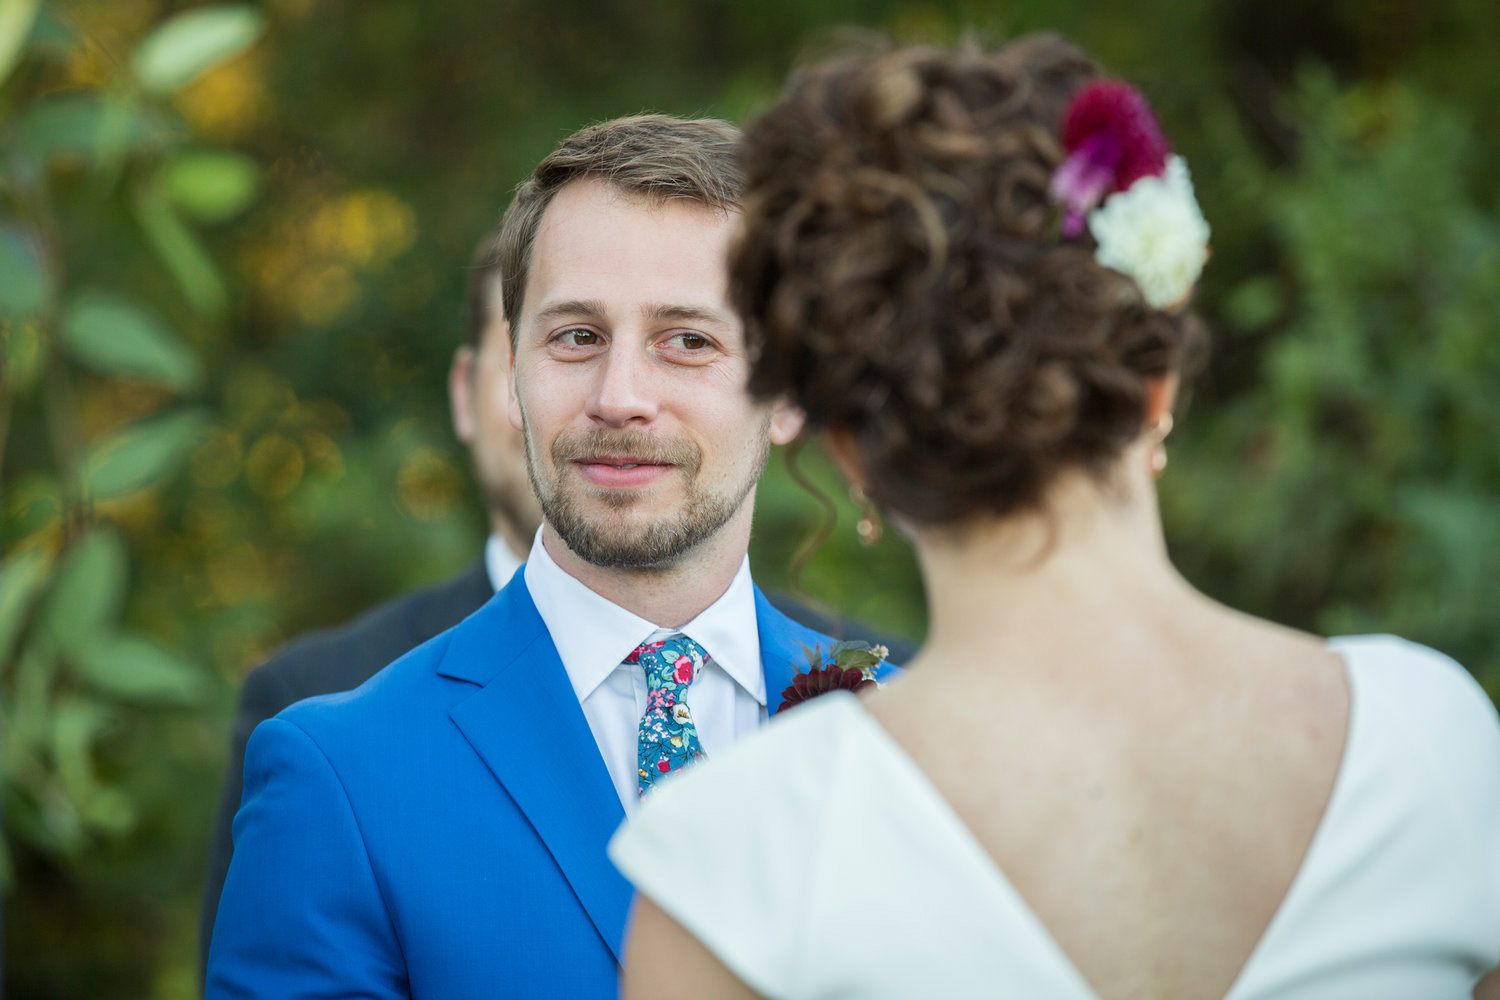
(1149, 796)
(855, 871)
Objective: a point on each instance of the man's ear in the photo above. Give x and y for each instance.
(461, 393)
(1161, 397)
(786, 422)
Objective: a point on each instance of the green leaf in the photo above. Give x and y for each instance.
(179, 249)
(50, 35)
(87, 127)
(211, 185)
(77, 723)
(142, 453)
(23, 355)
(16, 17)
(134, 668)
(24, 285)
(22, 576)
(33, 503)
(859, 659)
(1254, 303)
(185, 46)
(108, 810)
(46, 818)
(28, 701)
(89, 590)
(113, 335)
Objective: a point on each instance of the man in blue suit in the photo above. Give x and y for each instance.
(440, 830)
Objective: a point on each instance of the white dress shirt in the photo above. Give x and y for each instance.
(500, 563)
(593, 636)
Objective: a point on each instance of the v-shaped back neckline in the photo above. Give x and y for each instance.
(961, 835)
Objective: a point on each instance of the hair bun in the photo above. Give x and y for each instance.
(901, 277)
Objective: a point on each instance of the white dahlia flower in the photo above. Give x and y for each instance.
(1155, 233)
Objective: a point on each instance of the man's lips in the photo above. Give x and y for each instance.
(620, 471)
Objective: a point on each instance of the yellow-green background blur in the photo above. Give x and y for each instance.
(233, 247)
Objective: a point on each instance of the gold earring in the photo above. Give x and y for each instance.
(1159, 448)
(868, 525)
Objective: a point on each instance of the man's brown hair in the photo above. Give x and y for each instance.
(658, 157)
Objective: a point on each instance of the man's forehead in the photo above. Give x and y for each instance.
(593, 196)
(603, 251)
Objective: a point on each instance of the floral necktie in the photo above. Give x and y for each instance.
(668, 739)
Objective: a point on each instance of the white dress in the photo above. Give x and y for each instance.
(816, 860)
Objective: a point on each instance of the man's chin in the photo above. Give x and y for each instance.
(653, 527)
(613, 502)
(620, 550)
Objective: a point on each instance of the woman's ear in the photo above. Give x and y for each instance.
(1161, 397)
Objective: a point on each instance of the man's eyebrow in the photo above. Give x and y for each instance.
(590, 308)
(663, 312)
(656, 312)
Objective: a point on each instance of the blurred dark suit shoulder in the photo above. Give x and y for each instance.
(322, 662)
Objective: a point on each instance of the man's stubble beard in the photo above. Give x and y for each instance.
(618, 544)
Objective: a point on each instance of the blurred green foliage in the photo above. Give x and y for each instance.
(1356, 486)
(233, 241)
(102, 400)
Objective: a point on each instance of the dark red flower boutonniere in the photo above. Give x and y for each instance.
(850, 666)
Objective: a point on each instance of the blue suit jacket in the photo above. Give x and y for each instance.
(440, 830)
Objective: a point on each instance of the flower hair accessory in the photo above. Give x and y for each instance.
(1121, 179)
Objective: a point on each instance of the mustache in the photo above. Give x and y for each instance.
(643, 448)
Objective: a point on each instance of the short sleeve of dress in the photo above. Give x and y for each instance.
(727, 848)
(1448, 723)
(1444, 712)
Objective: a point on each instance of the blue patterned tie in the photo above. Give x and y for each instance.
(668, 740)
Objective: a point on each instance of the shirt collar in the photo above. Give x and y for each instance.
(594, 635)
(728, 630)
(500, 562)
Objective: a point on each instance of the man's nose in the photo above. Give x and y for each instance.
(624, 389)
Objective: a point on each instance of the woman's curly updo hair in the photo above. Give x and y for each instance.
(902, 278)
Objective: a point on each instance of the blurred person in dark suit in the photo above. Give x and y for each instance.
(342, 658)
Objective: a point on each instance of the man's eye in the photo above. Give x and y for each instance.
(579, 338)
(690, 341)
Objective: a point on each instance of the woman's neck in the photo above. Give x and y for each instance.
(1091, 563)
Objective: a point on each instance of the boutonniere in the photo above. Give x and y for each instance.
(849, 666)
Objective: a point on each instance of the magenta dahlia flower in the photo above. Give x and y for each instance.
(1112, 140)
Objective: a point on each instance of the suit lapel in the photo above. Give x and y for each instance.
(526, 724)
(782, 643)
